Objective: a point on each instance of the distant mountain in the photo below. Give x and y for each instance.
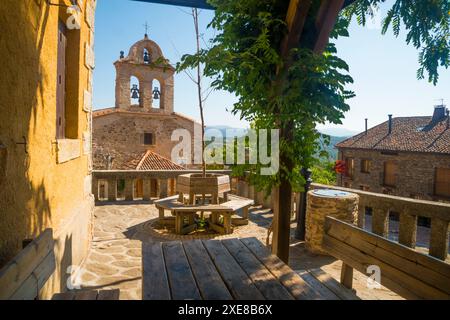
(338, 132)
(332, 151)
(341, 135)
(223, 129)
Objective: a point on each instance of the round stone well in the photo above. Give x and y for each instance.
(326, 202)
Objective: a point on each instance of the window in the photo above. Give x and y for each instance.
(390, 173)
(148, 138)
(67, 82)
(365, 166)
(61, 83)
(442, 182)
(350, 162)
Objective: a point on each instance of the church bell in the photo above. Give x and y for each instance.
(135, 92)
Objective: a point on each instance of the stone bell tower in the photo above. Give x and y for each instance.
(146, 62)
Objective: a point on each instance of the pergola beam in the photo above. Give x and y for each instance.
(201, 4)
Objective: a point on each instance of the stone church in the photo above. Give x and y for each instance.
(135, 134)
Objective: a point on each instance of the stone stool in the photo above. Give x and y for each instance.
(326, 202)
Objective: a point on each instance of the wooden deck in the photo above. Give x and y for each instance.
(231, 269)
(88, 295)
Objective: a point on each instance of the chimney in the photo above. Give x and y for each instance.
(448, 118)
(366, 126)
(390, 124)
(439, 114)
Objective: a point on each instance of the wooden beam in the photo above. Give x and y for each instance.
(295, 19)
(325, 21)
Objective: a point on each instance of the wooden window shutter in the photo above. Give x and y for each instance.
(390, 173)
(442, 182)
(61, 82)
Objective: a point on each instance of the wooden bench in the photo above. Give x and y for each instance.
(182, 211)
(403, 270)
(25, 275)
(240, 269)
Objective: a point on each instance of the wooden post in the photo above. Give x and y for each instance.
(147, 191)
(407, 230)
(439, 238)
(347, 276)
(380, 221)
(129, 189)
(112, 189)
(301, 216)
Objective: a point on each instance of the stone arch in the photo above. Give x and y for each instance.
(136, 53)
(157, 85)
(134, 81)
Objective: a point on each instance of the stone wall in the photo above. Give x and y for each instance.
(45, 183)
(120, 135)
(415, 178)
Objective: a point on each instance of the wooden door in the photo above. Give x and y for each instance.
(61, 82)
(139, 188)
(442, 182)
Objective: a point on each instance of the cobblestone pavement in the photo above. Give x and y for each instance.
(114, 260)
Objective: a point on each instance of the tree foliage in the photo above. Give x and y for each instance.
(244, 59)
(427, 27)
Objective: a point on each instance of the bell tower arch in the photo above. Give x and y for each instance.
(145, 62)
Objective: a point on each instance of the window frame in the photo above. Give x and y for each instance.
(152, 142)
(369, 164)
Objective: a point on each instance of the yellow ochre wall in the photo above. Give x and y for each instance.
(48, 187)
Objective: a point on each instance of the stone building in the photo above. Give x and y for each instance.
(405, 156)
(143, 118)
(45, 141)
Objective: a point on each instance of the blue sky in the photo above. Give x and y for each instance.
(383, 67)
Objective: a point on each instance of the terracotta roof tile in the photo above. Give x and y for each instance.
(414, 134)
(154, 161)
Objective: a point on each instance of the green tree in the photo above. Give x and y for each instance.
(296, 92)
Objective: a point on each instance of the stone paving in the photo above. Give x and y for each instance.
(114, 260)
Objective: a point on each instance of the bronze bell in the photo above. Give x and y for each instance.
(135, 92)
(146, 57)
(156, 93)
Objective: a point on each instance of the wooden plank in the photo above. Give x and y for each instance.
(108, 294)
(405, 262)
(237, 281)
(13, 274)
(266, 283)
(29, 289)
(288, 278)
(69, 295)
(86, 295)
(208, 279)
(325, 293)
(337, 288)
(389, 275)
(155, 285)
(181, 280)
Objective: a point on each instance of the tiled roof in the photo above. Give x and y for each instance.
(154, 161)
(414, 134)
